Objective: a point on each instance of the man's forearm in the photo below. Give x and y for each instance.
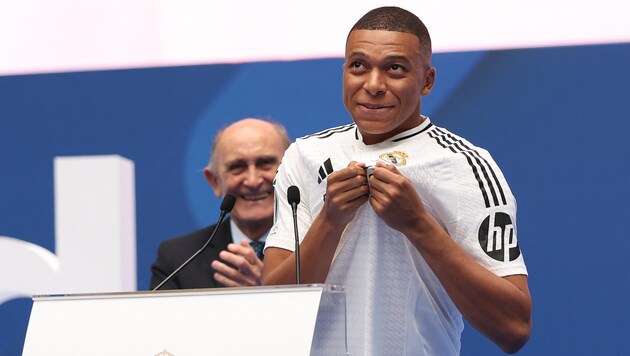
(500, 308)
(316, 254)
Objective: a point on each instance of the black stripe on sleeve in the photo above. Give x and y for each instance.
(482, 170)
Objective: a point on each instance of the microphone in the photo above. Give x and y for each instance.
(293, 196)
(226, 206)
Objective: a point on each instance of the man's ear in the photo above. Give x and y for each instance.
(429, 80)
(214, 182)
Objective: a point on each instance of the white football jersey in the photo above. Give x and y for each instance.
(395, 304)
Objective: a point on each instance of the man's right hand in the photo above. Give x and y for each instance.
(247, 270)
(346, 191)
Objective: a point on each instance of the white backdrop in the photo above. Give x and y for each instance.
(51, 36)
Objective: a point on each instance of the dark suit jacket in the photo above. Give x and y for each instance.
(198, 273)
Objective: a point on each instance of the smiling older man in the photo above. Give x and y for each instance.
(244, 159)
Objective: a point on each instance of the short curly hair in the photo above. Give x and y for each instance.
(392, 18)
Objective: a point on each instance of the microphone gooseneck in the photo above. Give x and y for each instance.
(226, 206)
(293, 196)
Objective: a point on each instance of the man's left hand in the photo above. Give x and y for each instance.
(394, 199)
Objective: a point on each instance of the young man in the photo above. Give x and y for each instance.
(244, 159)
(429, 236)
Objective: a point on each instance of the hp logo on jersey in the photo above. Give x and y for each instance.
(497, 237)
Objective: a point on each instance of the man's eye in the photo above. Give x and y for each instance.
(266, 163)
(397, 67)
(236, 169)
(355, 65)
(265, 166)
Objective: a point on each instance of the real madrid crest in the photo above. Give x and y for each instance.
(397, 158)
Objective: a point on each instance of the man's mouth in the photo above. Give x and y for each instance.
(254, 197)
(374, 107)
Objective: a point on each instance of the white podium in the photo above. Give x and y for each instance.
(282, 320)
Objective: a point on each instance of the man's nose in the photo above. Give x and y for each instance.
(253, 176)
(374, 82)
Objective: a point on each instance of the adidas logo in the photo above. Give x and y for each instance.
(324, 170)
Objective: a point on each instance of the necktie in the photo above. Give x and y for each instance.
(258, 247)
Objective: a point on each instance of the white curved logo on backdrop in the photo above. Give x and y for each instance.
(95, 237)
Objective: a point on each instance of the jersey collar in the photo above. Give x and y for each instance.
(426, 124)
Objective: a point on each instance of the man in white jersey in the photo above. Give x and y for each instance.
(428, 237)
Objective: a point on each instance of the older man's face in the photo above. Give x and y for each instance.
(247, 158)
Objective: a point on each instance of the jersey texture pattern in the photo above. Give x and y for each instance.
(395, 304)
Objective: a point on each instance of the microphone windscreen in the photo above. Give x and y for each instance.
(293, 195)
(228, 203)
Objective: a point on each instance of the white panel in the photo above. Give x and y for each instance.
(95, 223)
(43, 36)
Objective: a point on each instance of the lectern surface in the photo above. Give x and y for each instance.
(225, 321)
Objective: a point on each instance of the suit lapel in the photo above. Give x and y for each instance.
(221, 239)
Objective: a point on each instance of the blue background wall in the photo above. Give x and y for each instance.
(555, 119)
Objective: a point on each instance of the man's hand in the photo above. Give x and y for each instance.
(346, 191)
(247, 269)
(394, 199)
(484, 299)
